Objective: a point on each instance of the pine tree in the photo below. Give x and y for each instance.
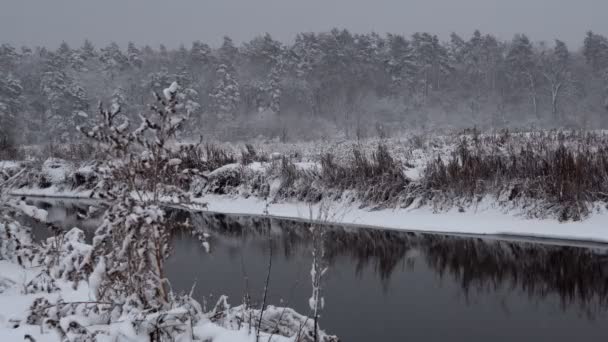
(595, 50)
(8, 57)
(400, 64)
(88, 50)
(134, 55)
(12, 103)
(432, 61)
(228, 52)
(113, 59)
(67, 100)
(226, 93)
(522, 63)
(64, 55)
(200, 53)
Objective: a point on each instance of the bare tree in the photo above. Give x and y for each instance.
(556, 70)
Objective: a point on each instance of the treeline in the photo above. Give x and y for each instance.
(319, 85)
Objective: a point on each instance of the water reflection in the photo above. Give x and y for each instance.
(65, 214)
(577, 275)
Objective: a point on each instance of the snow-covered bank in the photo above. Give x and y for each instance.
(487, 220)
(52, 192)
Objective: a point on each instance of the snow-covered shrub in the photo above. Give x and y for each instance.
(15, 240)
(250, 155)
(5, 283)
(54, 171)
(43, 282)
(8, 169)
(126, 262)
(279, 321)
(84, 177)
(223, 179)
(133, 243)
(62, 255)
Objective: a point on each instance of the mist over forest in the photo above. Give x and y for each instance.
(321, 85)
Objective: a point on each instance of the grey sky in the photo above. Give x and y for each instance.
(48, 22)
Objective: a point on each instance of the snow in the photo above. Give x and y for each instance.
(486, 220)
(257, 166)
(174, 162)
(52, 191)
(307, 166)
(30, 210)
(8, 164)
(56, 171)
(224, 169)
(212, 332)
(168, 92)
(14, 305)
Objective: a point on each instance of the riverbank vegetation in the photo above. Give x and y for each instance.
(559, 174)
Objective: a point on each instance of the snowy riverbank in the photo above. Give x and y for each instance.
(485, 219)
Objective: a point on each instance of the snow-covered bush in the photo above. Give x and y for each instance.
(8, 169)
(15, 240)
(55, 171)
(43, 282)
(223, 179)
(279, 321)
(62, 255)
(125, 263)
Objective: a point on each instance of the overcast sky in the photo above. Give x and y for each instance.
(172, 22)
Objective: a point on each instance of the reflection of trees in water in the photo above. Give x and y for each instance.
(578, 276)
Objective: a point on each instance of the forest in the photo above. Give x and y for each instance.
(320, 85)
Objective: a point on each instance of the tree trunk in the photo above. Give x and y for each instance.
(533, 95)
(554, 99)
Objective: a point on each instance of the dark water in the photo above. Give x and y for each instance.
(399, 286)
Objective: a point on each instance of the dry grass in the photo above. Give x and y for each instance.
(567, 174)
(378, 179)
